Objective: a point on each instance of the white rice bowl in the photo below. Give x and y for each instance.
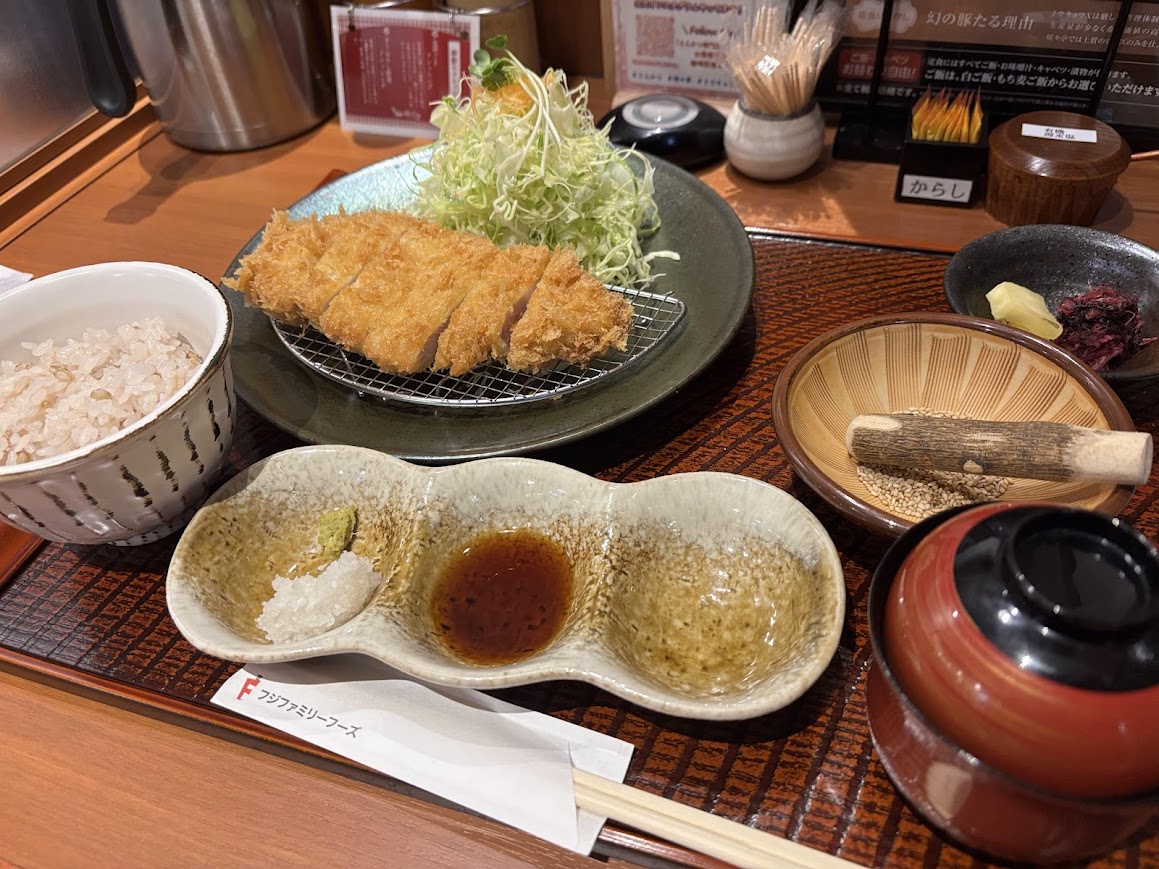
(157, 425)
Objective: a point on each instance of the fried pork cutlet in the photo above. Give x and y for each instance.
(570, 316)
(353, 241)
(300, 265)
(480, 328)
(270, 276)
(449, 265)
(385, 313)
(411, 295)
(378, 288)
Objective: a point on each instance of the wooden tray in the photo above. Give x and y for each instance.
(96, 617)
(16, 547)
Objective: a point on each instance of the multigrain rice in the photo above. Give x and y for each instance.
(918, 493)
(86, 389)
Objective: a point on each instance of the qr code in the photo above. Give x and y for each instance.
(655, 36)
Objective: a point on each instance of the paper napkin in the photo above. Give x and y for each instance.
(497, 759)
(10, 278)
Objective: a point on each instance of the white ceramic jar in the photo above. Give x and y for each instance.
(773, 147)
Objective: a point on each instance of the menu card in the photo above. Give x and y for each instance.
(492, 757)
(391, 66)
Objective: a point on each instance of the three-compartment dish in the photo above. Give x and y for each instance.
(702, 595)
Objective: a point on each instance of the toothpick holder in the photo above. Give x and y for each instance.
(773, 147)
(952, 174)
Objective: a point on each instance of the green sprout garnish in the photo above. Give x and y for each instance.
(493, 72)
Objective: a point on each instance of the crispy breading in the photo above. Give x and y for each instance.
(351, 313)
(570, 316)
(301, 265)
(411, 295)
(480, 328)
(353, 241)
(269, 276)
(445, 266)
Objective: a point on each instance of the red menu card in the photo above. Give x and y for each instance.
(391, 66)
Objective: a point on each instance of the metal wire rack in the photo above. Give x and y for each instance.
(488, 385)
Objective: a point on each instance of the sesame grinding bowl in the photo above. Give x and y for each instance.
(942, 365)
(117, 401)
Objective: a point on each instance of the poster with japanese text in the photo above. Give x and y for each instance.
(391, 66)
(1131, 95)
(1022, 56)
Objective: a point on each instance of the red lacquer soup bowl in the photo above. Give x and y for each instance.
(1016, 675)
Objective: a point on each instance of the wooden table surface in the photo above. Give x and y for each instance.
(85, 644)
(196, 209)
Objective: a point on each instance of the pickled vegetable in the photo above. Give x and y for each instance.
(1102, 326)
(1024, 309)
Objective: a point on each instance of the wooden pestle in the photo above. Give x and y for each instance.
(1029, 450)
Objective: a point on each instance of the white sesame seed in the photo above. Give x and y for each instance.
(918, 494)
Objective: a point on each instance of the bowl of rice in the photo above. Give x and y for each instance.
(116, 401)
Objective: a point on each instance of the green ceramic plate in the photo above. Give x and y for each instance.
(714, 278)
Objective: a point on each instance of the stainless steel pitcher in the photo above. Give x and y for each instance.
(222, 75)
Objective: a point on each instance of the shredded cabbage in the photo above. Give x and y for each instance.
(525, 163)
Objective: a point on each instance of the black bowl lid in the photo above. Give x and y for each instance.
(1067, 594)
(679, 129)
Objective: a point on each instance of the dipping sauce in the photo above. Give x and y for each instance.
(503, 598)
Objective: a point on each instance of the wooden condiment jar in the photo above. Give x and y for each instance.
(1052, 180)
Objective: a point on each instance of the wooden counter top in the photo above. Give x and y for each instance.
(852, 201)
(198, 209)
(88, 784)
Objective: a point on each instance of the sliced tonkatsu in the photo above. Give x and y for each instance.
(441, 267)
(380, 286)
(270, 275)
(353, 242)
(570, 316)
(411, 295)
(480, 328)
(301, 265)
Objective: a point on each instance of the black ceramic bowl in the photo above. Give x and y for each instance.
(1057, 261)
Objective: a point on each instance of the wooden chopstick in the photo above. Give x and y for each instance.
(703, 832)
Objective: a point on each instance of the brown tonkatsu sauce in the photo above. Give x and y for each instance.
(503, 598)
